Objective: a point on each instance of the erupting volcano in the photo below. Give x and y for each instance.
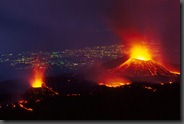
(38, 90)
(141, 68)
(38, 73)
(136, 67)
(140, 52)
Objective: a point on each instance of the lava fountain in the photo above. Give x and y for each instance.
(140, 52)
(140, 67)
(38, 76)
(38, 79)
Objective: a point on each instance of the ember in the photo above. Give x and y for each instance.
(150, 88)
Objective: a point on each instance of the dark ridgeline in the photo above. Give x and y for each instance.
(83, 99)
(131, 102)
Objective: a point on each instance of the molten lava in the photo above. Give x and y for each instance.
(38, 73)
(135, 67)
(141, 67)
(38, 79)
(140, 52)
(176, 72)
(115, 82)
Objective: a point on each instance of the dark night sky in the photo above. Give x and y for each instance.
(59, 24)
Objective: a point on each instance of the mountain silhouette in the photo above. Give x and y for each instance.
(144, 71)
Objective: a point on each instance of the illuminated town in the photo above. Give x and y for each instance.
(67, 60)
(138, 68)
(90, 60)
(71, 59)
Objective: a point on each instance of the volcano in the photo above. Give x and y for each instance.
(34, 94)
(144, 71)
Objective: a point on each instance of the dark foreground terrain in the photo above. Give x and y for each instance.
(87, 101)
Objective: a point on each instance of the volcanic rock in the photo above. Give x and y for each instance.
(40, 92)
(144, 71)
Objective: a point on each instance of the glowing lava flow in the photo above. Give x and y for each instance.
(115, 82)
(140, 52)
(21, 102)
(175, 72)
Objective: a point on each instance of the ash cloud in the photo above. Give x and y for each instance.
(150, 20)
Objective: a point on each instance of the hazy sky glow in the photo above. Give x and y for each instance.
(59, 24)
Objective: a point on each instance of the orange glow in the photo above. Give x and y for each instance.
(170, 82)
(23, 101)
(115, 82)
(150, 88)
(22, 106)
(38, 79)
(38, 76)
(140, 52)
(37, 82)
(43, 84)
(175, 72)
